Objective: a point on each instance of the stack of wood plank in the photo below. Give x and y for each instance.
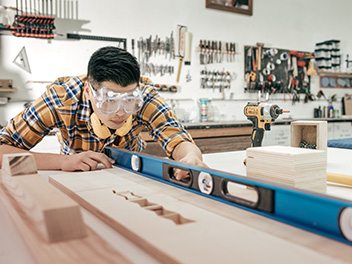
(298, 167)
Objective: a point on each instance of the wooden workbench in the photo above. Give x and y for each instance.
(290, 240)
(211, 137)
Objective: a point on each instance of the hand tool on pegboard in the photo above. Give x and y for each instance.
(188, 48)
(180, 47)
(233, 51)
(221, 51)
(216, 58)
(29, 24)
(311, 71)
(250, 71)
(132, 46)
(207, 51)
(201, 52)
(227, 51)
(259, 55)
(318, 213)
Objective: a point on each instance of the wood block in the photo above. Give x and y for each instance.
(298, 167)
(54, 216)
(18, 164)
(312, 132)
(91, 249)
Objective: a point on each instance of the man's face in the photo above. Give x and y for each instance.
(115, 120)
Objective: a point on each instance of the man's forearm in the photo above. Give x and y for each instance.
(186, 148)
(44, 161)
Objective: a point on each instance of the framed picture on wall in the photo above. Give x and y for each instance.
(236, 6)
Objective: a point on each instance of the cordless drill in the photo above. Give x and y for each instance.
(261, 115)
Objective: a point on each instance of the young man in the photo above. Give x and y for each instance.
(107, 107)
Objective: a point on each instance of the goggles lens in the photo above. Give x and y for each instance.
(109, 102)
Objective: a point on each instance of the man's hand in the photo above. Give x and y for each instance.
(85, 161)
(191, 159)
(188, 153)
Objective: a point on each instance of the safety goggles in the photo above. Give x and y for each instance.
(109, 102)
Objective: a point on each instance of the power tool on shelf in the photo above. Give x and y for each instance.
(261, 115)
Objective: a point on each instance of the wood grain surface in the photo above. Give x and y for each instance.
(90, 249)
(52, 214)
(213, 235)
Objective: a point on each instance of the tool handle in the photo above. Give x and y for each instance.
(259, 59)
(257, 137)
(339, 178)
(179, 69)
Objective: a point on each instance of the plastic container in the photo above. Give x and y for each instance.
(203, 110)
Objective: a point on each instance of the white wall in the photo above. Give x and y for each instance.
(286, 24)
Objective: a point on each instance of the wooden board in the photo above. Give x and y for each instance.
(205, 237)
(90, 249)
(53, 215)
(347, 104)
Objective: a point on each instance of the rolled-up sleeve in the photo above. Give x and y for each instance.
(29, 127)
(162, 122)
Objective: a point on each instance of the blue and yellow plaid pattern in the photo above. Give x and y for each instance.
(64, 106)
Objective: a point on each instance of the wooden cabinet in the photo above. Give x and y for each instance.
(210, 140)
(331, 130)
(222, 138)
(340, 130)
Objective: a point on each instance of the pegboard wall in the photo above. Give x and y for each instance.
(272, 70)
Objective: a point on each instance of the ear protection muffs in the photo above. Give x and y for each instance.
(103, 132)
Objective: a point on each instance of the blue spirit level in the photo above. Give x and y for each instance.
(319, 213)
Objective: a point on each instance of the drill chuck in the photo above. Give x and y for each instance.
(275, 111)
(269, 111)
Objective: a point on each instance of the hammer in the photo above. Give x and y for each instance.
(259, 55)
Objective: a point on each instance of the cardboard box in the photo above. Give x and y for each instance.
(348, 104)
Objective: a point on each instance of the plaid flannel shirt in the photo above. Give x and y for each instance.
(64, 106)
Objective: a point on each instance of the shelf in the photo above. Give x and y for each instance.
(335, 79)
(335, 74)
(8, 90)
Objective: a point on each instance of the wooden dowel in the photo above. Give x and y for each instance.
(339, 178)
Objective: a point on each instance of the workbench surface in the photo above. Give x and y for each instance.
(14, 250)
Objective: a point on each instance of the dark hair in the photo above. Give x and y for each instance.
(113, 64)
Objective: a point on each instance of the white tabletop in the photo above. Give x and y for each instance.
(339, 161)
